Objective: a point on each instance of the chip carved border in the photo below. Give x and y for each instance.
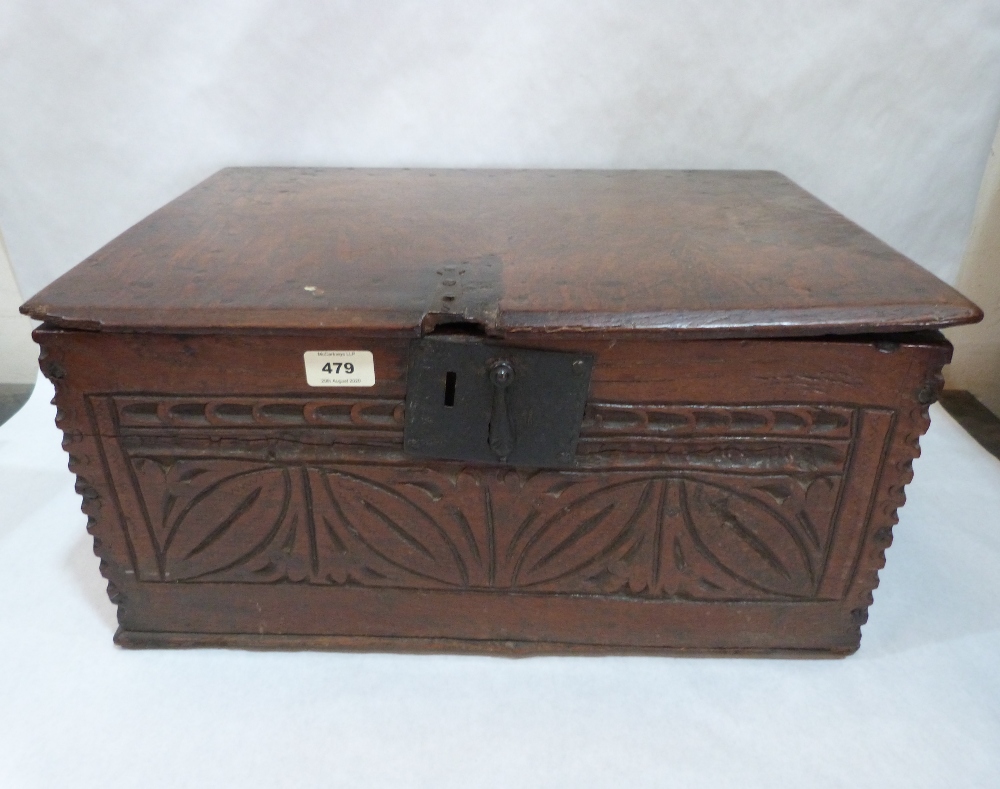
(111, 541)
(912, 422)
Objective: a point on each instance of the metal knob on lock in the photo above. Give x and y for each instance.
(502, 437)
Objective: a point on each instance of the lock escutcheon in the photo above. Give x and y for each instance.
(468, 398)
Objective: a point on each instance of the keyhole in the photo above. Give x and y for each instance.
(449, 389)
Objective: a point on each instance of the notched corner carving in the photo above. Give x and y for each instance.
(911, 423)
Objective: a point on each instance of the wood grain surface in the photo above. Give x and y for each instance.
(682, 253)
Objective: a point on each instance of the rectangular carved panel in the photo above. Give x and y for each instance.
(691, 535)
(701, 502)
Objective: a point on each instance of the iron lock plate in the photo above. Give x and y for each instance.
(474, 400)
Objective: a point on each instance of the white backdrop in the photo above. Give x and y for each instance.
(885, 109)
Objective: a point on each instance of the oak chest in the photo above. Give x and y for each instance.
(494, 411)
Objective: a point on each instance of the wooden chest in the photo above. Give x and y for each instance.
(508, 412)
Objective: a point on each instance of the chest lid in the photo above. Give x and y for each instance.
(683, 253)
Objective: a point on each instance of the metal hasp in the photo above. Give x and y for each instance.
(470, 399)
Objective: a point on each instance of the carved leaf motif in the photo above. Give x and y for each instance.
(394, 528)
(593, 529)
(816, 516)
(745, 539)
(227, 523)
(718, 536)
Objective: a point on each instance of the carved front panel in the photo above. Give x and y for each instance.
(697, 535)
(698, 502)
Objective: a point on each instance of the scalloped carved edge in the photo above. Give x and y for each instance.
(601, 420)
(84, 463)
(897, 472)
(357, 412)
